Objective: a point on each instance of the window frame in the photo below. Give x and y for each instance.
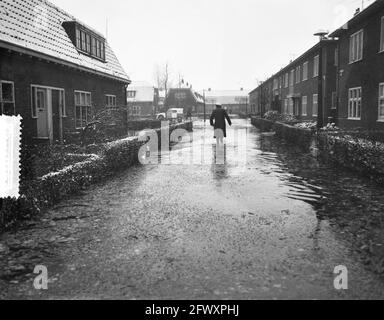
(287, 80)
(298, 74)
(113, 97)
(316, 66)
(360, 99)
(305, 71)
(380, 118)
(304, 114)
(352, 47)
(8, 102)
(81, 106)
(313, 105)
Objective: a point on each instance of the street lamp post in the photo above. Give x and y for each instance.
(320, 102)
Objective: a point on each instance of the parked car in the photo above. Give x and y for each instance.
(173, 114)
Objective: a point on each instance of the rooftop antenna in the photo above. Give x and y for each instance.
(322, 34)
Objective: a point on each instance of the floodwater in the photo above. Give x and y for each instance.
(256, 219)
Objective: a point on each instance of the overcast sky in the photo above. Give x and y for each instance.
(218, 44)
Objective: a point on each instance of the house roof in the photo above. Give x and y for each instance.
(35, 27)
(370, 10)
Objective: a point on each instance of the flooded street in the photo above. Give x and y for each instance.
(273, 225)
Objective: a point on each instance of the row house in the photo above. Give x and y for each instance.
(143, 99)
(349, 88)
(55, 71)
(361, 71)
(301, 86)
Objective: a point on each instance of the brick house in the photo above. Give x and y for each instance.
(143, 99)
(297, 89)
(55, 71)
(361, 72)
(185, 98)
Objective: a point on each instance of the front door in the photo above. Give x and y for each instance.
(297, 107)
(44, 113)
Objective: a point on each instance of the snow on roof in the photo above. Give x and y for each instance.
(21, 26)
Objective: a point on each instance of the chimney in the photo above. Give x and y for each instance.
(357, 12)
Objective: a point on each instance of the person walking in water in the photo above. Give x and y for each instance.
(218, 117)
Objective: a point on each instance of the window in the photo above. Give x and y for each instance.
(315, 105)
(83, 106)
(316, 62)
(275, 84)
(286, 111)
(78, 39)
(292, 78)
(286, 80)
(7, 98)
(305, 71)
(304, 104)
(298, 74)
(381, 102)
(136, 110)
(334, 100)
(336, 57)
(86, 42)
(180, 96)
(131, 94)
(356, 46)
(290, 111)
(354, 105)
(110, 101)
(382, 35)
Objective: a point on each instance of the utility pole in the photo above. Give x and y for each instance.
(205, 106)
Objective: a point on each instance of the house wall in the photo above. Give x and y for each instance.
(189, 102)
(25, 71)
(367, 74)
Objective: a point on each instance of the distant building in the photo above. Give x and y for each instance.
(361, 71)
(55, 71)
(185, 98)
(142, 99)
(234, 101)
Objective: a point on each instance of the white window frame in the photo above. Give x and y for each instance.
(82, 106)
(111, 98)
(305, 71)
(315, 102)
(286, 80)
(356, 48)
(8, 102)
(131, 94)
(316, 66)
(304, 111)
(381, 103)
(136, 110)
(355, 103)
(334, 100)
(382, 35)
(298, 74)
(292, 78)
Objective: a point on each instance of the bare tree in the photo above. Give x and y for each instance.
(162, 76)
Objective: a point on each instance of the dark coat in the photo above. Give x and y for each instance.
(218, 120)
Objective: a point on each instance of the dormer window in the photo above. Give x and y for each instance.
(85, 40)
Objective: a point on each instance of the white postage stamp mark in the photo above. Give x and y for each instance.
(10, 130)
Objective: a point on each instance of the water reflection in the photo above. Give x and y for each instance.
(219, 166)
